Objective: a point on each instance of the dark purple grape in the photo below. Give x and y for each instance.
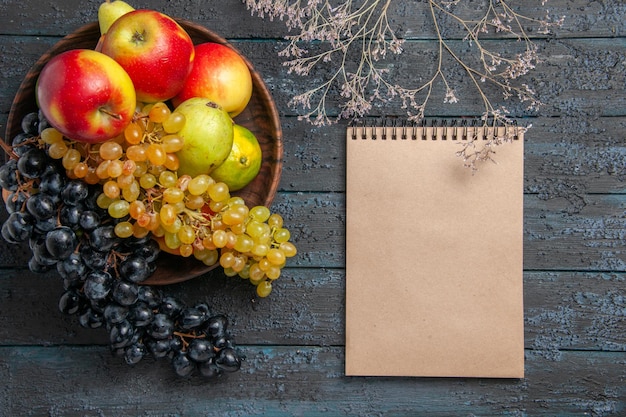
(43, 122)
(158, 348)
(150, 295)
(91, 319)
(41, 253)
(94, 259)
(209, 369)
(89, 220)
(103, 238)
(162, 327)
(52, 182)
(43, 226)
(21, 143)
(115, 313)
(134, 269)
(98, 285)
(134, 353)
(191, 318)
(183, 366)
(6, 233)
(204, 308)
(200, 350)
(61, 242)
(74, 192)
(72, 268)
(8, 175)
(41, 206)
(19, 225)
(140, 314)
(217, 326)
(32, 163)
(121, 334)
(228, 360)
(176, 344)
(222, 342)
(70, 302)
(30, 123)
(171, 306)
(16, 201)
(125, 293)
(70, 216)
(37, 266)
(149, 250)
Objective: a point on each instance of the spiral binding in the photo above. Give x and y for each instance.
(433, 129)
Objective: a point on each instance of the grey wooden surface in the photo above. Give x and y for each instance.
(574, 248)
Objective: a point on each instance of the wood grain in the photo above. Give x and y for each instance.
(300, 380)
(574, 244)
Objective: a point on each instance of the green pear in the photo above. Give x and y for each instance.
(109, 11)
(208, 136)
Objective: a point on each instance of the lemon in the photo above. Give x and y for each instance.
(244, 161)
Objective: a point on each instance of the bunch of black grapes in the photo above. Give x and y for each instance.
(102, 273)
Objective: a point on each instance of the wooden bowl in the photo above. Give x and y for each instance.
(260, 116)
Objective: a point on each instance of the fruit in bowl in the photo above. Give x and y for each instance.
(259, 116)
(154, 49)
(219, 74)
(208, 134)
(86, 95)
(101, 211)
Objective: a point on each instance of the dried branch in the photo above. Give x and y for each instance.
(364, 27)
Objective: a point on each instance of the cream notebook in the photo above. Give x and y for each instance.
(433, 255)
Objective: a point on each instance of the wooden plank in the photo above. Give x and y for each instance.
(584, 18)
(560, 233)
(299, 380)
(578, 77)
(563, 310)
(568, 156)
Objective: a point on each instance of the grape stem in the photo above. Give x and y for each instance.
(8, 149)
(185, 336)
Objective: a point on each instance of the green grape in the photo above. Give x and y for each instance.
(244, 243)
(124, 229)
(173, 194)
(147, 180)
(275, 256)
(219, 191)
(260, 213)
(289, 249)
(275, 220)
(199, 184)
(264, 289)
(186, 234)
(168, 179)
(281, 235)
(171, 240)
(118, 209)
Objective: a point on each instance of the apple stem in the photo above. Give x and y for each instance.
(113, 115)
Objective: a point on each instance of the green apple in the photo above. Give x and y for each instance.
(109, 11)
(208, 136)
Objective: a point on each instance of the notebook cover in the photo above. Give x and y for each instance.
(434, 283)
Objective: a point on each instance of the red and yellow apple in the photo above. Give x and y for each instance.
(219, 74)
(86, 95)
(154, 49)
